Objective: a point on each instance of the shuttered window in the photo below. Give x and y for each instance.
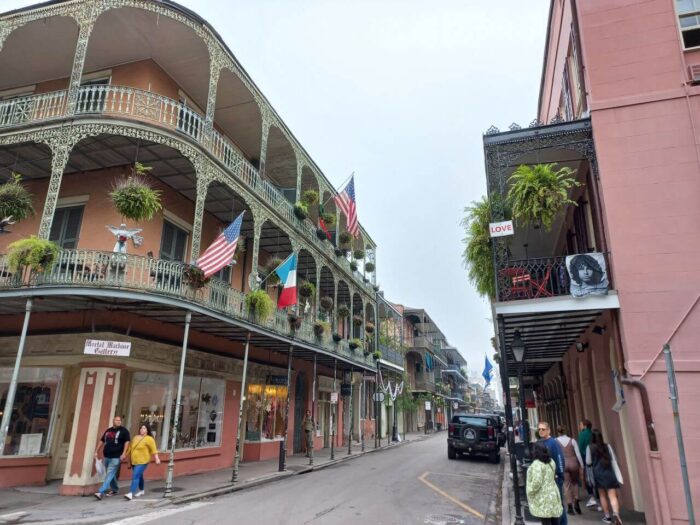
(65, 229)
(173, 243)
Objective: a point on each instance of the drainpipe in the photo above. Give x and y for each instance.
(648, 420)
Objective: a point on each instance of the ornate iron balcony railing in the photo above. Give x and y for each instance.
(536, 278)
(391, 355)
(165, 112)
(109, 270)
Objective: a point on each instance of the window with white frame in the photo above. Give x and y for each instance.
(689, 22)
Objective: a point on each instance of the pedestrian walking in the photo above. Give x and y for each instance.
(114, 441)
(543, 495)
(555, 452)
(308, 427)
(142, 448)
(573, 470)
(584, 439)
(600, 456)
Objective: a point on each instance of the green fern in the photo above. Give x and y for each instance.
(477, 256)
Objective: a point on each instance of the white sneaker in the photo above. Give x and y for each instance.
(129, 496)
(591, 502)
(139, 493)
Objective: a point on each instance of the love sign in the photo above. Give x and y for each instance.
(501, 229)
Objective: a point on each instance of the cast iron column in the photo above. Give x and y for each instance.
(241, 404)
(283, 443)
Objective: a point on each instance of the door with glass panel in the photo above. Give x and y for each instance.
(64, 424)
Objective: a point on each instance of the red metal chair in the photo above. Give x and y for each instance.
(519, 282)
(540, 287)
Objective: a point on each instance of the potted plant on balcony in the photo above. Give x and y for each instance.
(194, 277)
(377, 355)
(358, 254)
(310, 198)
(134, 196)
(376, 287)
(321, 234)
(307, 290)
(271, 276)
(337, 338)
(369, 267)
(355, 343)
(320, 328)
(538, 193)
(32, 252)
(357, 320)
(259, 305)
(477, 256)
(328, 219)
(339, 252)
(327, 303)
(344, 239)
(294, 321)
(369, 328)
(15, 200)
(353, 266)
(301, 210)
(343, 311)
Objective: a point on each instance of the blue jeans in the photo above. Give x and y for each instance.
(111, 468)
(137, 477)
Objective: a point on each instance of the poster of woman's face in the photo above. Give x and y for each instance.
(588, 274)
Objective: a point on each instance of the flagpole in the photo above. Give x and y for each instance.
(341, 185)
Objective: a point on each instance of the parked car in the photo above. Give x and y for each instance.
(474, 434)
(501, 429)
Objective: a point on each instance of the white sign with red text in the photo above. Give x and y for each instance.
(501, 229)
(110, 348)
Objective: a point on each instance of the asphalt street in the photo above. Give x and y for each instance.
(413, 483)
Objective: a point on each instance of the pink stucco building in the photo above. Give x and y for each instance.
(619, 104)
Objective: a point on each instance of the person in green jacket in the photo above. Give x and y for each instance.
(584, 439)
(543, 496)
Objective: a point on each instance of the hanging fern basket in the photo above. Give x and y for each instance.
(134, 196)
(15, 200)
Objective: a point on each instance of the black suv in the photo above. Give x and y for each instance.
(474, 434)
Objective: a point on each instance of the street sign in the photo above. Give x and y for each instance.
(501, 229)
(378, 396)
(112, 348)
(427, 405)
(455, 405)
(334, 398)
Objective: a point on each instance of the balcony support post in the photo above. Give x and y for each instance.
(258, 219)
(333, 406)
(334, 316)
(352, 315)
(76, 75)
(215, 62)
(300, 169)
(203, 181)
(266, 123)
(317, 304)
(241, 407)
(60, 152)
(283, 443)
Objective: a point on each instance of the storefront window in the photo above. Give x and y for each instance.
(202, 410)
(265, 412)
(33, 409)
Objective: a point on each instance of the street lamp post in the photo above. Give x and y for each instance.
(518, 348)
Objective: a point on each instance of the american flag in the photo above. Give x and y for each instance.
(221, 251)
(345, 200)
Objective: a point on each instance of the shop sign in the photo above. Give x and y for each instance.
(455, 405)
(427, 405)
(112, 348)
(277, 380)
(345, 389)
(501, 229)
(378, 396)
(334, 398)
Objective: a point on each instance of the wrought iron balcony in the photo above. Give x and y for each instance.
(109, 270)
(425, 382)
(137, 104)
(391, 355)
(536, 278)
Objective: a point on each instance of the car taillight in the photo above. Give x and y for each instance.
(451, 428)
(490, 431)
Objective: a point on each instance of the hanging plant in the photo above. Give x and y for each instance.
(359, 254)
(344, 238)
(376, 287)
(353, 266)
(343, 311)
(357, 320)
(320, 328)
(307, 290)
(309, 197)
(328, 219)
(37, 254)
(355, 344)
(15, 200)
(321, 234)
(271, 276)
(259, 305)
(369, 328)
(369, 266)
(477, 256)
(538, 193)
(338, 252)
(327, 303)
(194, 277)
(337, 338)
(134, 196)
(377, 355)
(294, 321)
(301, 211)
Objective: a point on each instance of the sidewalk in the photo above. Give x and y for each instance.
(44, 505)
(588, 516)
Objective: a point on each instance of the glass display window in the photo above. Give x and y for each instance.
(265, 406)
(202, 409)
(32, 411)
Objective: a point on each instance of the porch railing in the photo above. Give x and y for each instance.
(391, 355)
(147, 106)
(108, 270)
(536, 278)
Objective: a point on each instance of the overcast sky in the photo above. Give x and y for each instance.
(399, 92)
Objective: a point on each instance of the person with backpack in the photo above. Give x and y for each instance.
(543, 496)
(600, 456)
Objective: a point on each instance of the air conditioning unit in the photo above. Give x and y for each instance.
(694, 74)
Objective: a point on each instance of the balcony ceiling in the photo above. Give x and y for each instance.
(51, 45)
